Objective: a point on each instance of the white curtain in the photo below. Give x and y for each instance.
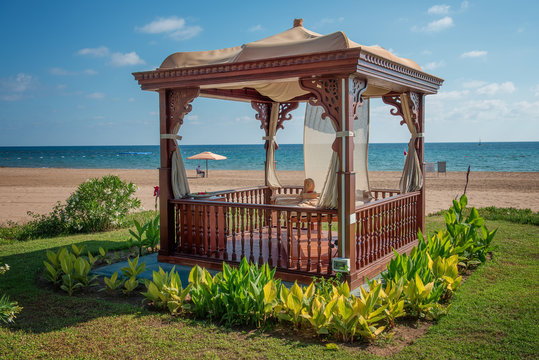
(361, 152)
(412, 178)
(321, 162)
(271, 172)
(180, 185)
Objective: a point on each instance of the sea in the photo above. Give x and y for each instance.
(487, 156)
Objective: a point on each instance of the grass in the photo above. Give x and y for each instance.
(493, 315)
(517, 216)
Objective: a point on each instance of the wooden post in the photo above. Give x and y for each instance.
(166, 213)
(340, 96)
(421, 155)
(173, 105)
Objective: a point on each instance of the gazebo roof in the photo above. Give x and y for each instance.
(269, 69)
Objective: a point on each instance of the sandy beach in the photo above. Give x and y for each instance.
(37, 190)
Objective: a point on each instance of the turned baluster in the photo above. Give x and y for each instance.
(298, 243)
(261, 236)
(319, 242)
(279, 242)
(251, 255)
(309, 241)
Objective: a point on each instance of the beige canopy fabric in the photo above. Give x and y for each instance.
(294, 41)
(412, 178)
(180, 185)
(271, 172)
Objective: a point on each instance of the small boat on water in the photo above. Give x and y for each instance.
(479, 144)
(136, 153)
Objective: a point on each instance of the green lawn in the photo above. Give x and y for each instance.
(493, 315)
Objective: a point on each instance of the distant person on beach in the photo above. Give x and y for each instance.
(200, 171)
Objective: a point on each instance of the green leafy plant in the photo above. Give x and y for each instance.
(242, 295)
(137, 238)
(8, 309)
(112, 283)
(165, 291)
(152, 234)
(133, 268)
(422, 299)
(130, 285)
(69, 269)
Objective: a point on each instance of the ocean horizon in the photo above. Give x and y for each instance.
(487, 156)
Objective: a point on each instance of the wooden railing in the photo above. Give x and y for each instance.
(290, 238)
(384, 193)
(385, 225)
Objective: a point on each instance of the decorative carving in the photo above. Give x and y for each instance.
(326, 93)
(179, 104)
(395, 100)
(284, 113)
(263, 112)
(356, 88)
(366, 60)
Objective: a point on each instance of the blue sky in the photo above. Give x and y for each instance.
(65, 69)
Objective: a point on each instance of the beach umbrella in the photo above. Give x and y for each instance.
(206, 155)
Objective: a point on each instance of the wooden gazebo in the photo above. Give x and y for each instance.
(300, 241)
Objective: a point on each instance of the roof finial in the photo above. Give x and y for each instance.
(298, 22)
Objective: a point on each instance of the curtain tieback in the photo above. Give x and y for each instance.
(420, 135)
(171, 136)
(344, 133)
(268, 138)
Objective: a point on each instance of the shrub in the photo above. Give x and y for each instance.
(99, 204)
(8, 309)
(96, 205)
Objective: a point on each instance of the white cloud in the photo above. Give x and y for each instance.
(433, 65)
(473, 84)
(125, 59)
(96, 52)
(98, 117)
(90, 72)
(536, 90)
(426, 52)
(436, 26)
(14, 88)
(244, 119)
(173, 26)
(131, 99)
(256, 28)
(61, 86)
(96, 95)
(60, 71)
(439, 9)
(452, 95)
(474, 54)
(495, 88)
(464, 5)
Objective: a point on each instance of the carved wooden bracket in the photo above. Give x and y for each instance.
(326, 93)
(395, 101)
(284, 113)
(179, 104)
(263, 110)
(356, 88)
